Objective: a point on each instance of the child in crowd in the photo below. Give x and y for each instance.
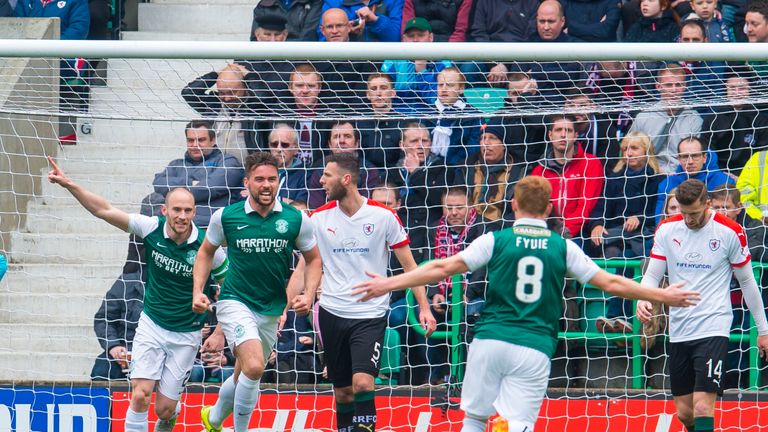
(706, 11)
(657, 24)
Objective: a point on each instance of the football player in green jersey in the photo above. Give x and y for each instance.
(169, 332)
(515, 336)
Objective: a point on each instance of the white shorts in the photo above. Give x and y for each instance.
(505, 378)
(241, 324)
(163, 355)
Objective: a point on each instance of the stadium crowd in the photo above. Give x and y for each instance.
(614, 139)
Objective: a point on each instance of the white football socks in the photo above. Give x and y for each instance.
(246, 396)
(224, 404)
(136, 421)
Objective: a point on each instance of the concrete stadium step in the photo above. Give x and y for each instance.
(208, 18)
(117, 152)
(167, 36)
(49, 308)
(68, 219)
(159, 74)
(51, 278)
(118, 191)
(68, 248)
(32, 365)
(149, 140)
(147, 104)
(45, 337)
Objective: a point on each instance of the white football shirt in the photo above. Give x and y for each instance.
(350, 246)
(703, 258)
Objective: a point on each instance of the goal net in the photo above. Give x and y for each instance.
(443, 141)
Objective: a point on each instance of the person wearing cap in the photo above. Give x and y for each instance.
(449, 19)
(415, 80)
(491, 174)
(268, 79)
(371, 20)
(302, 17)
(271, 28)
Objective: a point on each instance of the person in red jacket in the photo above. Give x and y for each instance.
(576, 176)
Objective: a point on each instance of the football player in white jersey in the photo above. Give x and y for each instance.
(704, 249)
(356, 234)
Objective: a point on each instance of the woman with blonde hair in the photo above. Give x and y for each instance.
(623, 220)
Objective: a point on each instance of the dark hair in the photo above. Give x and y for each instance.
(551, 120)
(342, 123)
(670, 68)
(575, 93)
(347, 162)
(694, 23)
(257, 159)
(457, 190)
(196, 124)
(726, 192)
(691, 191)
(692, 138)
(759, 6)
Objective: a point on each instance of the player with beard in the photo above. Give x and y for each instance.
(169, 332)
(260, 234)
(355, 233)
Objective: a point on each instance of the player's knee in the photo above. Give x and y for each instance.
(253, 369)
(140, 399)
(362, 386)
(702, 409)
(685, 415)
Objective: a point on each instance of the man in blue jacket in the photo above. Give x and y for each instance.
(214, 178)
(695, 163)
(74, 15)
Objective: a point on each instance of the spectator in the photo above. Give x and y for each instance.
(415, 80)
(6, 10)
(212, 366)
(726, 199)
(415, 367)
(704, 79)
(3, 266)
(503, 21)
(595, 132)
(305, 86)
(668, 123)
(656, 25)
(449, 20)
(456, 229)
(268, 79)
(593, 20)
(622, 85)
(115, 325)
(576, 176)
(696, 162)
(524, 134)
(343, 138)
(623, 221)
(756, 28)
(74, 15)
(346, 80)
(453, 138)
(715, 29)
(214, 178)
(380, 134)
(294, 357)
(421, 177)
(491, 175)
(498, 21)
(302, 17)
(753, 185)
(233, 101)
(734, 131)
(284, 145)
(376, 20)
(671, 206)
(553, 78)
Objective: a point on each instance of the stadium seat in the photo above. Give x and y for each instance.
(486, 99)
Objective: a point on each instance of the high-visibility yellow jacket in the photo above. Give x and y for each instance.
(753, 184)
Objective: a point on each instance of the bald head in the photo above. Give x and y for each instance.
(179, 194)
(335, 25)
(230, 85)
(550, 20)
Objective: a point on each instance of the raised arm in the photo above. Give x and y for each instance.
(95, 204)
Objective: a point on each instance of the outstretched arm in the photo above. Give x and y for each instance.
(431, 272)
(97, 205)
(627, 288)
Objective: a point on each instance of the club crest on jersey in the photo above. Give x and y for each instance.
(61, 4)
(190, 258)
(714, 244)
(368, 229)
(281, 226)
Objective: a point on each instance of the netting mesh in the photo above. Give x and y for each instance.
(436, 142)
